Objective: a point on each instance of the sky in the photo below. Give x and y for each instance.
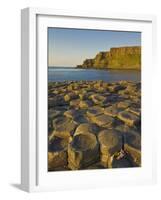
(70, 47)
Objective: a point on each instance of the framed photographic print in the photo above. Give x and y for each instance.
(86, 99)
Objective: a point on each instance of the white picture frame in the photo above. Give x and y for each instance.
(34, 176)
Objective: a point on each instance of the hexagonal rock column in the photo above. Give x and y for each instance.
(94, 111)
(103, 120)
(70, 96)
(133, 146)
(83, 151)
(129, 118)
(86, 128)
(63, 127)
(110, 143)
(98, 99)
(57, 153)
(112, 110)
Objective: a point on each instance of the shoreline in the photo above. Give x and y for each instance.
(110, 69)
(96, 68)
(90, 81)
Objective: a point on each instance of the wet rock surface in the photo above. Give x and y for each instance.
(94, 125)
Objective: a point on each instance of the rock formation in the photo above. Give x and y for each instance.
(116, 58)
(97, 125)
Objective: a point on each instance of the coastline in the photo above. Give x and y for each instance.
(116, 58)
(110, 69)
(96, 68)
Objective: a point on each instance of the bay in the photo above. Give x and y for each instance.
(59, 74)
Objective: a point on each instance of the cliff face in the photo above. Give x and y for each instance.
(116, 58)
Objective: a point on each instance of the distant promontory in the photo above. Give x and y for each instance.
(116, 58)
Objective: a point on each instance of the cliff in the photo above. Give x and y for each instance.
(116, 58)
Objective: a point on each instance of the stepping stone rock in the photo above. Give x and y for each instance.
(123, 128)
(81, 118)
(98, 84)
(56, 101)
(86, 128)
(131, 88)
(75, 103)
(83, 95)
(136, 154)
(116, 88)
(98, 99)
(110, 143)
(132, 145)
(85, 104)
(124, 104)
(94, 111)
(64, 128)
(70, 96)
(71, 113)
(135, 111)
(70, 88)
(122, 92)
(83, 151)
(129, 118)
(101, 90)
(112, 111)
(59, 121)
(76, 92)
(53, 113)
(103, 120)
(57, 153)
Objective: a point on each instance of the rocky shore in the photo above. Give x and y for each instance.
(94, 125)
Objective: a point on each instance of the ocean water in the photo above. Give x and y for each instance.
(56, 74)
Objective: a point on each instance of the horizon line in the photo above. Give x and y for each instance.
(61, 66)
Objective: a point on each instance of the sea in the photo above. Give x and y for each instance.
(60, 74)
